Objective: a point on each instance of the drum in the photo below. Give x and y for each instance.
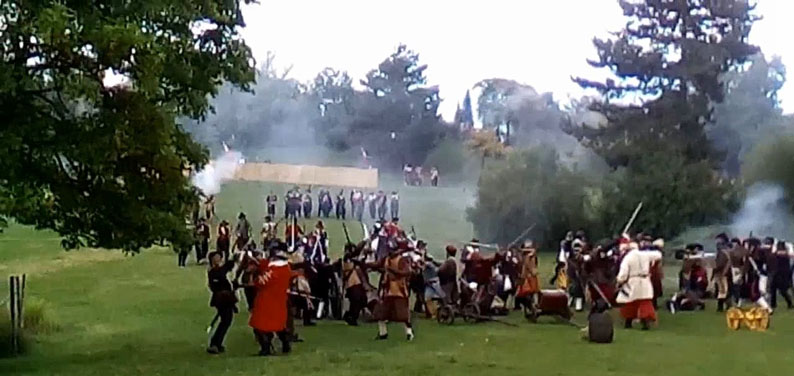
(551, 303)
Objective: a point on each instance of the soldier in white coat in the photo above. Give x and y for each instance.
(635, 290)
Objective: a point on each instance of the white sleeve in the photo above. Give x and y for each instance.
(623, 273)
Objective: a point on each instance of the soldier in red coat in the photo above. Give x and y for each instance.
(269, 315)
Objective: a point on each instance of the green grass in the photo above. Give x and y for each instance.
(140, 315)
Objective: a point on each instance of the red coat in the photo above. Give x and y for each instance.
(270, 307)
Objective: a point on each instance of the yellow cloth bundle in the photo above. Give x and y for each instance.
(755, 319)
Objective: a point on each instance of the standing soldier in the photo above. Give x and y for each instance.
(358, 201)
(448, 276)
(636, 290)
(268, 233)
(381, 203)
(394, 205)
(202, 241)
(393, 291)
(371, 202)
(356, 282)
(574, 263)
(242, 231)
(223, 299)
(269, 314)
(209, 208)
(341, 210)
(722, 272)
(780, 273)
(307, 204)
(271, 204)
(224, 239)
(600, 269)
(528, 286)
(434, 176)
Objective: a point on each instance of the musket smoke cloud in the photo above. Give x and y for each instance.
(764, 212)
(209, 179)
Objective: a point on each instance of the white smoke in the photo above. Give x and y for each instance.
(764, 212)
(209, 179)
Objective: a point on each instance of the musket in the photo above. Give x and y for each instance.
(489, 318)
(633, 217)
(483, 245)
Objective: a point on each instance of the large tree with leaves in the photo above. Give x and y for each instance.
(103, 165)
(400, 102)
(750, 112)
(671, 57)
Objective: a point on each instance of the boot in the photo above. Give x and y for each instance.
(720, 305)
(645, 325)
(627, 325)
(286, 346)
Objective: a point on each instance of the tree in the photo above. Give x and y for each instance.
(772, 161)
(671, 56)
(103, 165)
(518, 113)
(486, 145)
(751, 110)
(332, 92)
(533, 187)
(399, 120)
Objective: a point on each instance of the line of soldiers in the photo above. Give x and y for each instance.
(743, 270)
(297, 204)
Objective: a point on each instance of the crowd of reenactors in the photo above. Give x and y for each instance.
(390, 275)
(378, 205)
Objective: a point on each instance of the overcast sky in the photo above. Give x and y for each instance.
(537, 42)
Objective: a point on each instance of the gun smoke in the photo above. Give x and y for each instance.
(214, 174)
(764, 212)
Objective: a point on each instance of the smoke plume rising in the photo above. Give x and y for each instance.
(764, 212)
(209, 179)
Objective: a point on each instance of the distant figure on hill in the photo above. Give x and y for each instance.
(434, 176)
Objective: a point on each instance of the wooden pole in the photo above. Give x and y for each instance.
(21, 302)
(12, 297)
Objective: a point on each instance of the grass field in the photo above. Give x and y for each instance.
(140, 315)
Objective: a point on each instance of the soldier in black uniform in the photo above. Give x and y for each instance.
(341, 210)
(779, 267)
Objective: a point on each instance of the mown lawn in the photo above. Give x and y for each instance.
(140, 315)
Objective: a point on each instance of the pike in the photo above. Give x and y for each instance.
(347, 234)
(523, 234)
(633, 217)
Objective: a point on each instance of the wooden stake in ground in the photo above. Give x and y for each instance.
(13, 307)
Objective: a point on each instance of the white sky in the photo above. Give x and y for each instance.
(536, 42)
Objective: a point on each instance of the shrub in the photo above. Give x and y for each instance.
(37, 321)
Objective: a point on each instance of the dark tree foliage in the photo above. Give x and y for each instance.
(104, 165)
(402, 103)
(750, 111)
(332, 92)
(675, 194)
(533, 187)
(671, 55)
